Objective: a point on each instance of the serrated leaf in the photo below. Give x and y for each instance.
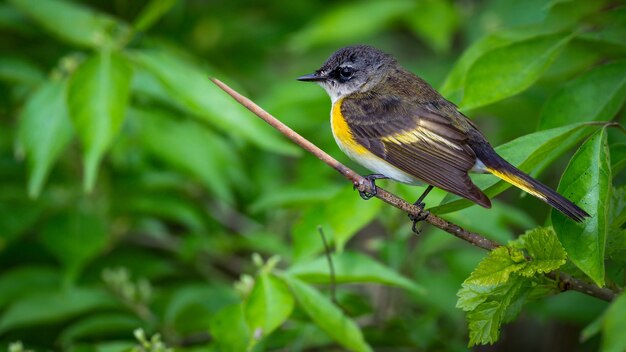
(190, 86)
(470, 296)
(497, 266)
(327, 316)
(546, 252)
(485, 320)
(613, 337)
(506, 71)
(596, 95)
(340, 219)
(527, 153)
(587, 183)
(45, 131)
(50, 306)
(73, 23)
(351, 267)
(269, 305)
(98, 95)
(207, 156)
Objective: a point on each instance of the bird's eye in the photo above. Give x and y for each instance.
(345, 72)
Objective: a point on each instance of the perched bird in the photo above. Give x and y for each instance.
(395, 124)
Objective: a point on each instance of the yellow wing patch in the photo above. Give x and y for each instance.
(419, 135)
(342, 132)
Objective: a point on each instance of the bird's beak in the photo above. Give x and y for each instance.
(313, 77)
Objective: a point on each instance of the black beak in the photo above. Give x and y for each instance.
(313, 77)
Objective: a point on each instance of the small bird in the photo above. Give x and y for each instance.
(394, 123)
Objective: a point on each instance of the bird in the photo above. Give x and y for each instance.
(395, 124)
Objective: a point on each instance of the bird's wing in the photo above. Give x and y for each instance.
(417, 140)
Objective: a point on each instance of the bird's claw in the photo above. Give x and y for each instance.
(419, 218)
(371, 178)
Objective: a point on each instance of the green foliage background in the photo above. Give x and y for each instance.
(135, 194)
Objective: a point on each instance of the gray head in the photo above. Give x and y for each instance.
(351, 69)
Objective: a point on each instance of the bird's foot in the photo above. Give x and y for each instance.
(371, 179)
(419, 218)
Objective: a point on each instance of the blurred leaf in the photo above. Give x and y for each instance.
(351, 267)
(613, 337)
(546, 252)
(152, 12)
(20, 71)
(45, 131)
(25, 280)
(99, 326)
(587, 183)
(618, 157)
(341, 217)
(97, 97)
(190, 85)
(199, 299)
(288, 197)
(50, 306)
(497, 266)
(230, 330)
(509, 70)
(349, 23)
(190, 147)
(74, 238)
(73, 23)
(595, 96)
(435, 21)
(165, 206)
(268, 306)
(526, 153)
(16, 217)
(327, 316)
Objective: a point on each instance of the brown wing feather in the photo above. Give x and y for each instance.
(416, 140)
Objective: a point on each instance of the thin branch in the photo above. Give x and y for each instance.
(566, 282)
(331, 268)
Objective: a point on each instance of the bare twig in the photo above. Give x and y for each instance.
(331, 268)
(566, 282)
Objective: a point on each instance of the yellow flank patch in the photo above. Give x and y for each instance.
(517, 182)
(342, 132)
(419, 135)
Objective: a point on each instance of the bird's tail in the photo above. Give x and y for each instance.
(509, 173)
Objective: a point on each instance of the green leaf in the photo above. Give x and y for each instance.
(618, 157)
(528, 153)
(497, 266)
(613, 337)
(45, 131)
(509, 70)
(471, 296)
(546, 252)
(207, 156)
(152, 12)
(98, 95)
(99, 326)
(268, 306)
(189, 85)
(435, 21)
(351, 267)
(327, 316)
(587, 183)
(50, 307)
(346, 23)
(596, 95)
(74, 238)
(340, 218)
(230, 330)
(485, 320)
(21, 281)
(73, 23)
(20, 71)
